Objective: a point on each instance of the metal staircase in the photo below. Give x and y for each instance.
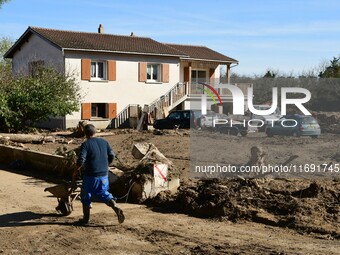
(122, 119)
(176, 95)
(172, 98)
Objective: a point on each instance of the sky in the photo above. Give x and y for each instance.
(292, 36)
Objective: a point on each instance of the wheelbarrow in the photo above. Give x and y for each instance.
(65, 193)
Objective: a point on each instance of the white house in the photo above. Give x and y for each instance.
(116, 71)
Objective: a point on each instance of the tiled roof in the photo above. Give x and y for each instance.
(201, 53)
(105, 42)
(117, 43)
(99, 42)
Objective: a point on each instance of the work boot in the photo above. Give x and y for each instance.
(117, 210)
(86, 215)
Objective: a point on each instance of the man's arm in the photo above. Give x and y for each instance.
(110, 154)
(80, 161)
(75, 173)
(82, 155)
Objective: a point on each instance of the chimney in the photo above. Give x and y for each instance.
(132, 34)
(101, 29)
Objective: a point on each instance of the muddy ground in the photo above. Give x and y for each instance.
(271, 216)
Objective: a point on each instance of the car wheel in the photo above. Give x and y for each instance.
(314, 136)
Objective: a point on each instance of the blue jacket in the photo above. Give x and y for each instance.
(96, 155)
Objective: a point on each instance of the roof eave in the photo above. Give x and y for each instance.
(17, 44)
(211, 60)
(126, 52)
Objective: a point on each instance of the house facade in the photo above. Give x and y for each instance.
(115, 72)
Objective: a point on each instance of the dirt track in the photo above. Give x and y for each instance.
(28, 224)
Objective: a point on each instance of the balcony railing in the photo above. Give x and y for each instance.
(199, 89)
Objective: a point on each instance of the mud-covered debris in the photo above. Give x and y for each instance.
(151, 156)
(157, 132)
(140, 149)
(257, 156)
(312, 191)
(276, 203)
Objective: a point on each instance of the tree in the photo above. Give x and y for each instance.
(5, 44)
(2, 2)
(26, 101)
(331, 71)
(270, 74)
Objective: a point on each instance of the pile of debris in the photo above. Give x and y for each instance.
(306, 205)
(286, 203)
(153, 174)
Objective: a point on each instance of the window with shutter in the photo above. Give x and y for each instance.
(98, 110)
(98, 70)
(153, 72)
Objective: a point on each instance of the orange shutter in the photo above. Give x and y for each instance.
(86, 69)
(142, 71)
(86, 111)
(111, 70)
(165, 73)
(186, 74)
(112, 110)
(212, 76)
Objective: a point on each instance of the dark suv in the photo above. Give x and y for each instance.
(177, 119)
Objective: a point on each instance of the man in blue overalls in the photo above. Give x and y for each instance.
(95, 156)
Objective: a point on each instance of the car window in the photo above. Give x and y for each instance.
(186, 115)
(308, 120)
(174, 116)
(289, 123)
(197, 113)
